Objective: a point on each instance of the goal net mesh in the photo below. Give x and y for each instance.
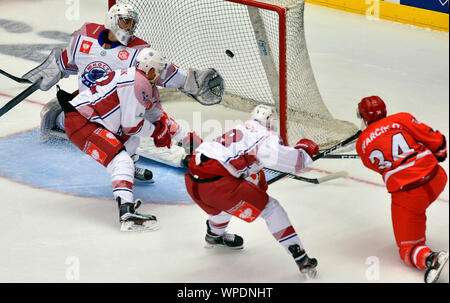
(200, 33)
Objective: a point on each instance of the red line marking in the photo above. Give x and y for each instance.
(365, 181)
(26, 100)
(315, 169)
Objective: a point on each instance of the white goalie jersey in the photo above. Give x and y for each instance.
(249, 147)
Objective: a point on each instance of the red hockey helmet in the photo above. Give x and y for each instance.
(371, 109)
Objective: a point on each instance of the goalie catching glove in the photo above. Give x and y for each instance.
(49, 70)
(207, 84)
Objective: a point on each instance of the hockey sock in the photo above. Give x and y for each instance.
(279, 224)
(218, 223)
(416, 255)
(121, 169)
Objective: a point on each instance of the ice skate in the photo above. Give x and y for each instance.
(435, 263)
(306, 265)
(143, 175)
(130, 220)
(231, 241)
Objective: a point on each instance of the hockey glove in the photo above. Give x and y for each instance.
(206, 86)
(441, 153)
(161, 135)
(309, 146)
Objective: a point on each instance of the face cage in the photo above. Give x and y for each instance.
(133, 17)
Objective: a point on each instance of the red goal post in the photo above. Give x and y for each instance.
(270, 64)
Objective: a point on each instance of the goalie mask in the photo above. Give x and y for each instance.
(149, 58)
(121, 20)
(267, 116)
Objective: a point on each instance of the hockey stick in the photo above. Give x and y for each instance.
(20, 97)
(339, 174)
(341, 156)
(17, 79)
(322, 154)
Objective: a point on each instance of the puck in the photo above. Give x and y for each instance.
(229, 53)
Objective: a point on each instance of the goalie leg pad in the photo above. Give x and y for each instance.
(48, 129)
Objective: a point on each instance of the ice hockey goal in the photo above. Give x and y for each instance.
(259, 48)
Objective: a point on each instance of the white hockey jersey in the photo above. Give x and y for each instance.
(91, 57)
(249, 147)
(119, 101)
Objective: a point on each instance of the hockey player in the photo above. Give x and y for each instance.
(406, 153)
(104, 119)
(225, 179)
(93, 51)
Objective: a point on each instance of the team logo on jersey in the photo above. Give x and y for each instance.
(85, 46)
(94, 71)
(123, 55)
(245, 211)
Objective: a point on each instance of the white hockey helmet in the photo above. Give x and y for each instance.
(121, 11)
(266, 115)
(149, 58)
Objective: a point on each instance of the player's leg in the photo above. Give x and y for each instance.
(280, 226)
(110, 152)
(216, 233)
(409, 223)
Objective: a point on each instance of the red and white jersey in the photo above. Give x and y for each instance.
(120, 101)
(399, 148)
(89, 56)
(249, 147)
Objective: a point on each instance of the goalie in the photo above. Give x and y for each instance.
(94, 50)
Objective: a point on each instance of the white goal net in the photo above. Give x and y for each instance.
(258, 47)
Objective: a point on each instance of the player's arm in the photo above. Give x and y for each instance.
(285, 158)
(434, 140)
(59, 64)
(135, 102)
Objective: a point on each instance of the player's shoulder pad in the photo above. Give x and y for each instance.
(143, 90)
(137, 43)
(91, 30)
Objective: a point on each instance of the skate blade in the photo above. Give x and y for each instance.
(132, 227)
(151, 181)
(219, 246)
(310, 274)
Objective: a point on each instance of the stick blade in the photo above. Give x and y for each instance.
(339, 174)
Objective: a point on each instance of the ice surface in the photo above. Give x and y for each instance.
(344, 223)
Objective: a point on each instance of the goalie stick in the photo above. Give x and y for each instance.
(321, 154)
(20, 97)
(339, 174)
(12, 77)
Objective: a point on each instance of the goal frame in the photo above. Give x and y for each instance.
(282, 44)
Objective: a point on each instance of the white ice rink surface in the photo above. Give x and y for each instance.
(344, 223)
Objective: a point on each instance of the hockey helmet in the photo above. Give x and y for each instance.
(115, 14)
(266, 115)
(149, 58)
(371, 109)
